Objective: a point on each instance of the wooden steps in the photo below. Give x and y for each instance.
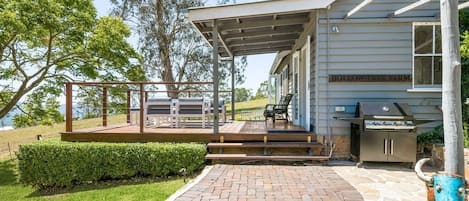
(265, 145)
(261, 157)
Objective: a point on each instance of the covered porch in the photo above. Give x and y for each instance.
(146, 116)
(231, 30)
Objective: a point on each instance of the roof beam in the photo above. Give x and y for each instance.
(224, 45)
(262, 51)
(255, 8)
(357, 8)
(264, 40)
(463, 5)
(257, 47)
(409, 7)
(277, 31)
(262, 23)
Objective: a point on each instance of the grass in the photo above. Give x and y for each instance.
(248, 105)
(11, 190)
(248, 110)
(25, 135)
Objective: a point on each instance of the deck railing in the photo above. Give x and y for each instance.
(133, 91)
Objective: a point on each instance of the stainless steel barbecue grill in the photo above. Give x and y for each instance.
(383, 132)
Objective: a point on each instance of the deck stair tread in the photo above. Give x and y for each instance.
(267, 145)
(262, 157)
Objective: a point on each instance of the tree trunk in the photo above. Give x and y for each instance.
(452, 120)
(15, 99)
(164, 45)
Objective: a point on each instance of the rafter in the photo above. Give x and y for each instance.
(409, 7)
(357, 8)
(264, 40)
(223, 42)
(258, 24)
(278, 31)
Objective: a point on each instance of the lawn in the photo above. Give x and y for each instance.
(249, 105)
(25, 135)
(11, 190)
(249, 110)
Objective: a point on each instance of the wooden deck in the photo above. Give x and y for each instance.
(232, 131)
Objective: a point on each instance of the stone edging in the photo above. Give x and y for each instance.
(190, 184)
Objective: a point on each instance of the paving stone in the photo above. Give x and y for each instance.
(269, 182)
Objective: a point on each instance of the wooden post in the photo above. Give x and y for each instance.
(68, 107)
(128, 106)
(142, 103)
(215, 77)
(233, 88)
(452, 120)
(104, 106)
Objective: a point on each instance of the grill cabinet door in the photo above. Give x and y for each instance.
(402, 147)
(374, 146)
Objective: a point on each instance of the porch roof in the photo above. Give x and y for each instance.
(257, 27)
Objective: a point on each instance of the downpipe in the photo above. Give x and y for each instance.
(442, 187)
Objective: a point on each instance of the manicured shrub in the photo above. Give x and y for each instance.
(48, 164)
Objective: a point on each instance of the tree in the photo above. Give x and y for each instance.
(242, 94)
(46, 43)
(41, 107)
(173, 51)
(262, 91)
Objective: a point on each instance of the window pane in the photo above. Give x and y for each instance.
(438, 70)
(437, 39)
(423, 70)
(423, 39)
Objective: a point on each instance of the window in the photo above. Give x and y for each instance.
(427, 61)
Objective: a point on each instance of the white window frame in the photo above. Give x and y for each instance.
(425, 88)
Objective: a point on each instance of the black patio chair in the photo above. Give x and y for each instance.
(272, 110)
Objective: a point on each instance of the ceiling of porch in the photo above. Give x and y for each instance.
(255, 28)
(256, 35)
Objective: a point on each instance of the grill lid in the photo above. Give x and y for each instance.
(384, 111)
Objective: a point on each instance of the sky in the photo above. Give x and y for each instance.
(258, 67)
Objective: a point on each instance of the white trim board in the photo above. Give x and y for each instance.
(255, 8)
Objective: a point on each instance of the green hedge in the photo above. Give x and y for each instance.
(63, 164)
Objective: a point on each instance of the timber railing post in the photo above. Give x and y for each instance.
(68, 107)
(233, 90)
(215, 76)
(142, 102)
(104, 106)
(128, 106)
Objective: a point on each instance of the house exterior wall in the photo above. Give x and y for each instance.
(367, 43)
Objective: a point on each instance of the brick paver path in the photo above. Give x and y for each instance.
(266, 182)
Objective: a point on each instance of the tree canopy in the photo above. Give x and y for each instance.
(46, 43)
(172, 49)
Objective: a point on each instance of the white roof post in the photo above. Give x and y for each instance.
(357, 8)
(463, 5)
(409, 7)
